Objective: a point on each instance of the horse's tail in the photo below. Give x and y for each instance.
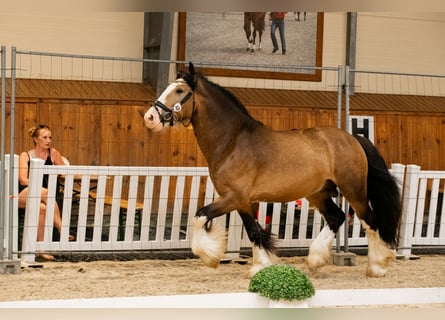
(383, 193)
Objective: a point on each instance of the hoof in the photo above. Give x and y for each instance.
(253, 271)
(208, 241)
(317, 259)
(314, 262)
(320, 249)
(258, 266)
(375, 272)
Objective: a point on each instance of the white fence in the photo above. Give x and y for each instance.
(156, 211)
(423, 219)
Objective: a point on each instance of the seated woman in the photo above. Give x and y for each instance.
(41, 136)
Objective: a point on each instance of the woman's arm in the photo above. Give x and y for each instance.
(56, 157)
(23, 168)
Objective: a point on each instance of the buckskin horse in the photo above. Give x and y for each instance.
(249, 162)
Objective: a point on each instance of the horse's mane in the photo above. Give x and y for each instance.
(192, 81)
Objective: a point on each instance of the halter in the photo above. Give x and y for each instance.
(169, 115)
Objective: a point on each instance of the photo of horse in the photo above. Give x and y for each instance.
(218, 42)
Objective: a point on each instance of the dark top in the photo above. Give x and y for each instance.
(277, 15)
(48, 161)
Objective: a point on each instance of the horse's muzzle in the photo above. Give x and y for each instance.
(152, 120)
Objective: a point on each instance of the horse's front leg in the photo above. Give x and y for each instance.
(208, 239)
(260, 34)
(262, 244)
(320, 249)
(253, 41)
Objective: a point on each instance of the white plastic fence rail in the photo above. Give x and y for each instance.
(423, 219)
(172, 195)
(154, 222)
(6, 200)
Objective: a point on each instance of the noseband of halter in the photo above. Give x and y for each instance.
(169, 115)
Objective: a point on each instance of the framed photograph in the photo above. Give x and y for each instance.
(217, 44)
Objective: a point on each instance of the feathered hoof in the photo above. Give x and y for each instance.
(209, 245)
(375, 271)
(316, 261)
(249, 274)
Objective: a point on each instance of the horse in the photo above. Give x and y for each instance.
(253, 23)
(249, 162)
(297, 15)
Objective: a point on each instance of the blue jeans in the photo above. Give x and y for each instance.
(280, 25)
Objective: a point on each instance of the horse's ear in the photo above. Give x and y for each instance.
(179, 74)
(191, 77)
(191, 69)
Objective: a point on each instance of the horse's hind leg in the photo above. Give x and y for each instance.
(379, 255)
(262, 244)
(260, 34)
(249, 40)
(320, 249)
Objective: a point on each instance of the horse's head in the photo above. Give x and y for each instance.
(175, 104)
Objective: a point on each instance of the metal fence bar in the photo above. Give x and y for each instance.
(12, 182)
(198, 63)
(110, 72)
(379, 82)
(2, 152)
(398, 73)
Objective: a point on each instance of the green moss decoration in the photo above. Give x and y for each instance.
(282, 282)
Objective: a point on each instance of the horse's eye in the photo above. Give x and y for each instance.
(179, 91)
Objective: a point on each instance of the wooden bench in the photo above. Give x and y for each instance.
(123, 208)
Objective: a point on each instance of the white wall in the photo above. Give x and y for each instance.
(118, 34)
(401, 42)
(398, 42)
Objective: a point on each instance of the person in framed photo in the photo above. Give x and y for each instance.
(277, 19)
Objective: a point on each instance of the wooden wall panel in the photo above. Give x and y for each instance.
(115, 134)
(411, 138)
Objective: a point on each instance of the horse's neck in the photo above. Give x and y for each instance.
(216, 128)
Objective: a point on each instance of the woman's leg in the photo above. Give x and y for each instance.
(41, 227)
(42, 217)
(22, 198)
(57, 217)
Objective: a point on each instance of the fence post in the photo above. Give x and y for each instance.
(348, 72)
(4, 225)
(398, 171)
(3, 209)
(14, 223)
(31, 223)
(409, 206)
(234, 236)
(10, 226)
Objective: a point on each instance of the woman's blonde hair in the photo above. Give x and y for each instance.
(34, 132)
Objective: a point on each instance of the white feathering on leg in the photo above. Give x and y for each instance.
(261, 259)
(208, 245)
(379, 255)
(320, 249)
